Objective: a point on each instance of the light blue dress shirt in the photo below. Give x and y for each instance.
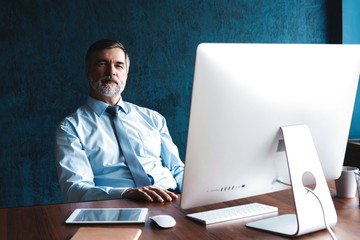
(90, 164)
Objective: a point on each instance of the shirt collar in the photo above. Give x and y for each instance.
(99, 107)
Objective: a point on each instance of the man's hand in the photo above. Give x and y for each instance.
(150, 194)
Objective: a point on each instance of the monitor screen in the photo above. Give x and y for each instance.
(243, 94)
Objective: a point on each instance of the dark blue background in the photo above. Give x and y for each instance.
(43, 44)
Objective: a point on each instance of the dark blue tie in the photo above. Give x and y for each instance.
(137, 171)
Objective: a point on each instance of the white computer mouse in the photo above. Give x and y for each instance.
(164, 221)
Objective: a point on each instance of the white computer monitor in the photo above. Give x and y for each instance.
(243, 94)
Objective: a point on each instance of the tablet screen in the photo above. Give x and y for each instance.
(108, 215)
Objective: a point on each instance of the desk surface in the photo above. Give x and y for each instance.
(48, 222)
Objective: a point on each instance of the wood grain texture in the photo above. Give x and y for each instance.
(48, 222)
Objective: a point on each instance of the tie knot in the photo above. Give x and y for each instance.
(113, 110)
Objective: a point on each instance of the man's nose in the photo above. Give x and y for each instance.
(112, 70)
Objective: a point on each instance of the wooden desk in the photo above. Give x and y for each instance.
(47, 222)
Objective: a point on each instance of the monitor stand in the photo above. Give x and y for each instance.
(303, 162)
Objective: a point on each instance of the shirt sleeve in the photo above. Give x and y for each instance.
(75, 174)
(170, 155)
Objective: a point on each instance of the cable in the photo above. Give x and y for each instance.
(279, 181)
(323, 211)
(328, 228)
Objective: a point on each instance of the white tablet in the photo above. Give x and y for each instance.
(108, 215)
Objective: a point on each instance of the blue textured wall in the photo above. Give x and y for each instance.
(351, 35)
(42, 78)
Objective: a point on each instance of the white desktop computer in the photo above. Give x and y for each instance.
(267, 117)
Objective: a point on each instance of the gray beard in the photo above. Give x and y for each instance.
(105, 89)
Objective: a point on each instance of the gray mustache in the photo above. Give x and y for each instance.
(108, 78)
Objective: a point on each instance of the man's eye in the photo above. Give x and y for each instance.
(100, 64)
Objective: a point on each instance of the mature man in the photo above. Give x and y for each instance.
(110, 148)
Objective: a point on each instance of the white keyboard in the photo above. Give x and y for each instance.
(232, 213)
